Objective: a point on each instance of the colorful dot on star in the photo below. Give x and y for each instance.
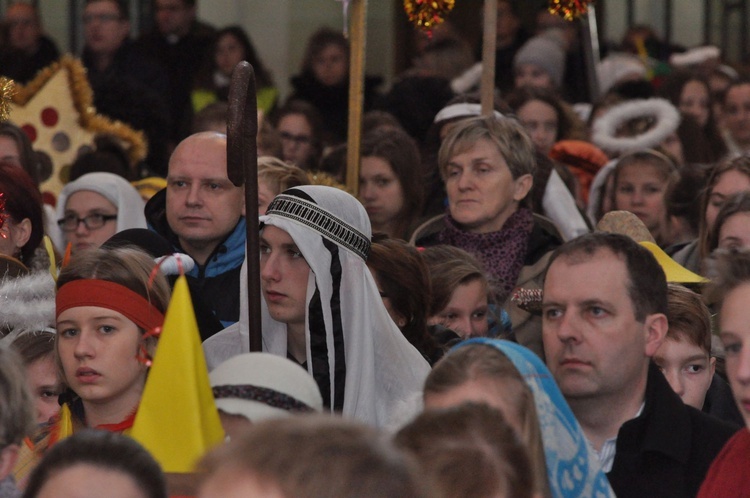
(50, 116)
(30, 131)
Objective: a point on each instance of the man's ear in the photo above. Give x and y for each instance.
(712, 365)
(243, 201)
(8, 457)
(521, 187)
(655, 330)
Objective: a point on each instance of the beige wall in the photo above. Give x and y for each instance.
(280, 29)
(687, 19)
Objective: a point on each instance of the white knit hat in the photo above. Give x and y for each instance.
(260, 386)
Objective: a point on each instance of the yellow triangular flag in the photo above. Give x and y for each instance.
(177, 420)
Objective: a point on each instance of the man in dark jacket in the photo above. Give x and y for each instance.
(180, 44)
(203, 215)
(127, 85)
(24, 49)
(604, 316)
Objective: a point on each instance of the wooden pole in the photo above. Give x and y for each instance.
(487, 89)
(357, 39)
(242, 169)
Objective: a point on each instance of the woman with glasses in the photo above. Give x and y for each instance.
(93, 208)
(299, 125)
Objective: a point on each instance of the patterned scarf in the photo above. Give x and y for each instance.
(502, 253)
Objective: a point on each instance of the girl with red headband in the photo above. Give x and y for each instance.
(108, 314)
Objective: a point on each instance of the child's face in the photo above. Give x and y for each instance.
(688, 369)
(640, 189)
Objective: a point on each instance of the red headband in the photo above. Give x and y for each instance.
(104, 294)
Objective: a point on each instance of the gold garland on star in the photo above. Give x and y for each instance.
(427, 14)
(83, 99)
(569, 9)
(7, 89)
(322, 178)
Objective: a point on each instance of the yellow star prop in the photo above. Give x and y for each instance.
(55, 110)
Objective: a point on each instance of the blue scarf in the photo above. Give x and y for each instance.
(572, 467)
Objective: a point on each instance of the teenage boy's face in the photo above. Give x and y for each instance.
(283, 276)
(688, 369)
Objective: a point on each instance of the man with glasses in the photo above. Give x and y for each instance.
(25, 50)
(179, 43)
(127, 85)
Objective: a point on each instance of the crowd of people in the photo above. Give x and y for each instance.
(546, 301)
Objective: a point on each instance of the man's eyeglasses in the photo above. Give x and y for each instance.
(300, 139)
(102, 18)
(91, 222)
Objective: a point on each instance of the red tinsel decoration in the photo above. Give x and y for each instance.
(427, 14)
(3, 215)
(569, 9)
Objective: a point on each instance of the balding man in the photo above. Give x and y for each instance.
(203, 215)
(25, 49)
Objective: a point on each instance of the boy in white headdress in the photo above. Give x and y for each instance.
(321, 307)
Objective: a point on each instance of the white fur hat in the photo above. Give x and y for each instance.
(260, 386)
(619, 67)
(695, 56)
(27, 302)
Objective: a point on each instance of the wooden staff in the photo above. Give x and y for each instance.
(487, 89)
(357, 38)
(242, 169)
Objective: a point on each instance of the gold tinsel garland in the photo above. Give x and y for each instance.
(322, 178)
(569, 9)
(7, 89)
(83, 99)
(427, 14)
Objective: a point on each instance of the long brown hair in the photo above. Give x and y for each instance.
(481, 362)
(740, 164)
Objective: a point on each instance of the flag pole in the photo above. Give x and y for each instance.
(357, 38)
(242, 169)
(487, 88)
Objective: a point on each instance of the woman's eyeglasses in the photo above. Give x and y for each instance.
(91, 222)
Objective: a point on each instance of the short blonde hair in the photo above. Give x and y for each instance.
(508, 135)
(301, 455)
(279, 175)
